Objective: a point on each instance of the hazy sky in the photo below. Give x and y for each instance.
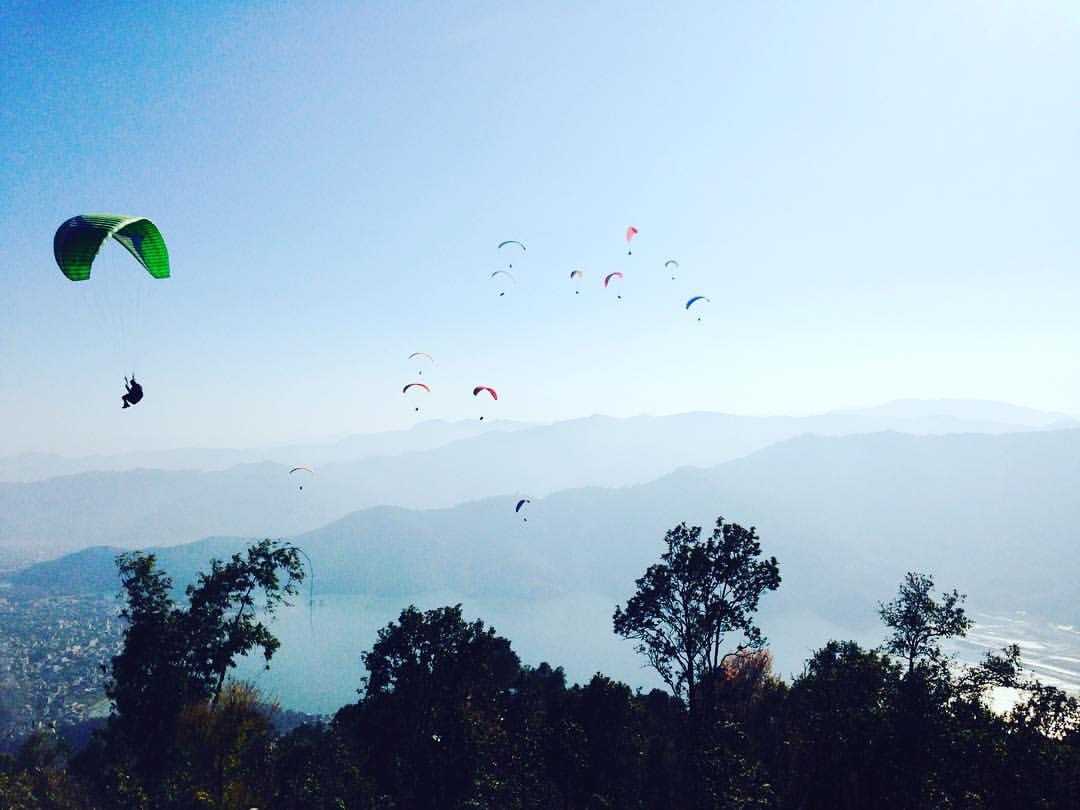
(880, 200)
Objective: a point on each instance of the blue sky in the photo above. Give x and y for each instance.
(880, 200)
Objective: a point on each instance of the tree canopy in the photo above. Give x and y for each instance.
(449, 717)
(687, 605)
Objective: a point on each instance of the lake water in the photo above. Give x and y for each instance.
(1050, 651)
(318, 667)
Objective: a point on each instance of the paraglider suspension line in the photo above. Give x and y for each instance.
(311, 586)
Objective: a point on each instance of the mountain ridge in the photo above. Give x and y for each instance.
(125, 508)
(847, 516)
(952, 415)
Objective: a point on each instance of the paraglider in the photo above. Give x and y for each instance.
(503, 273)
(673, 264)
(307, 470)
(415, 355)
(520, 504)
(405, 390)
(609, 277)
(695, 299)
(492, 391)
(77, 242)
(511, 242)
(631, 232)
(134, 393)
(577, 274)
(76, 245)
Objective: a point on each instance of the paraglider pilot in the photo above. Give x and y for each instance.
(134, 392)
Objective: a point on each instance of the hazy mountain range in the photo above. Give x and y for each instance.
(434, 465)
(905, 415)
(424, 436)
(993, 513)
(996, 516)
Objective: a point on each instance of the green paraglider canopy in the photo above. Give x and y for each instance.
(78, 241)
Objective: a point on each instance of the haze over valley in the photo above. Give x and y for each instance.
(988, 507)
(434, 465)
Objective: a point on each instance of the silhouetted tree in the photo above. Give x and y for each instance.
(315, 768)
(605, 711)
(1043, 739)
(1048, 711)
(42, 750)
(36, 778)
(435, 690)
(547, 747)
(682, 616)
(450, 719)
(840, 739)
(919, 622)
(222, 624)
(174, 657)
(147, 683)
(686, 605)
(226, 748)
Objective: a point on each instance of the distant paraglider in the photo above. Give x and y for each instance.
(509, 242)
(631, 232)
(494, 394)
(302, 469)
(577, 275)
(520, 505)
(419, 385)
(417, 355)
(508, 275)
(609, 277)
(695, 299)
(674, 265)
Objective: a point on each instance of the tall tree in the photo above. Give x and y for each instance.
(174, 656)
(226, 747)
(919, 622)
(147, 683)
(222, 624)
(839, 745)
(435, 698)
(686, 606)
